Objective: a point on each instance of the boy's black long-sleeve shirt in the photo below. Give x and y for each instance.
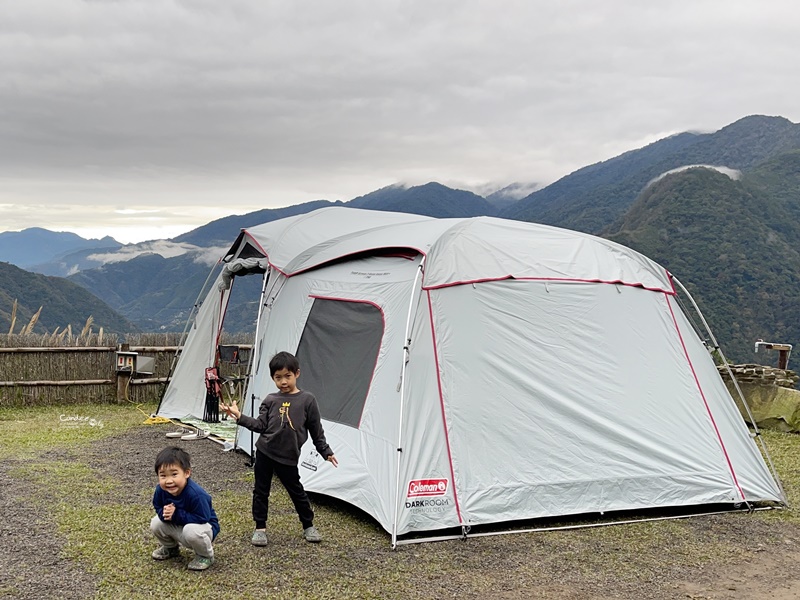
(285, 421)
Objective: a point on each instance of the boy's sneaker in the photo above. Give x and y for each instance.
(200, 563)
(259, 538)
(163, 553)
(312, 535)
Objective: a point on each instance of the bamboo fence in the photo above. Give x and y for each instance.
(36, 370)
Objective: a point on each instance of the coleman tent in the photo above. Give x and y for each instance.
(478, 371)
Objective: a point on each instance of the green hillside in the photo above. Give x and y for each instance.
(158, 293)
(778, 183)
(594, 196)
(150, 290)
(732, 243)
(64, 303)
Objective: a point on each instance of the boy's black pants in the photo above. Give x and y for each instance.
(289, 476)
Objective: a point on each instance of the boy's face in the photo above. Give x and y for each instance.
(172, 478)
(286, 380)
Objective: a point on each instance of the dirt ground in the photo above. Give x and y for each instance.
(32, 565)
(761, 578)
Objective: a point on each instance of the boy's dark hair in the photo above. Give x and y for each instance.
(283, 360)
(173, 456)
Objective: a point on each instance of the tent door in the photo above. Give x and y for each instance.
(338, 352)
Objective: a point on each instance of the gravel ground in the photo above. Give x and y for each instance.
(576, 564)
(30, 551)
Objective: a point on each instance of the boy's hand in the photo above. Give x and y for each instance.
(168, 511)
(332, 459)
(231, 410)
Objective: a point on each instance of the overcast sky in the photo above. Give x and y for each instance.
(144, 119)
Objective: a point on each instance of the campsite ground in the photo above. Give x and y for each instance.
(75, 504)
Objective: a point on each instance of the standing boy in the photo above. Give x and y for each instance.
(285, 421)
(184, 515)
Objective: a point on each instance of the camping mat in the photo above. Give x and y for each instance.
(224, 431)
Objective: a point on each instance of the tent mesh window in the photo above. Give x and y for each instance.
(249, 251)
(338, 351)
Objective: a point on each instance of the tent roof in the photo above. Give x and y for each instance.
(458, 250)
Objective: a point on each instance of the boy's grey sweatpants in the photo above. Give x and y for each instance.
(194, 536)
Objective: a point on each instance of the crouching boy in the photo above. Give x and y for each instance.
(184, 515)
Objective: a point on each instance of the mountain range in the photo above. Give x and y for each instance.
(593, 197)
(720, 210)
(35, 246)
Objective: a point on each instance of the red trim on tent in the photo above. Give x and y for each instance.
(383, 333)
(441, 405)
(705, 402)
(561, 279)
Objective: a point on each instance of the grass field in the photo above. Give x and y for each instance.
(82, 478)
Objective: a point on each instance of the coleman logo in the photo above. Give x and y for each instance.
(427, 487)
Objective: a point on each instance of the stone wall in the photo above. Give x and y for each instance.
(770, 394)
(760, 375)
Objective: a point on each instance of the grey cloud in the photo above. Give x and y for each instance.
(280, 102)
(164, 248)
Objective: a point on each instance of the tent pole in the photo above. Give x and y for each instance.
(406, 347)
(182, 339)
(739, 392)
(253, 361)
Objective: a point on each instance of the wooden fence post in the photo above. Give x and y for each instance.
(123, 381)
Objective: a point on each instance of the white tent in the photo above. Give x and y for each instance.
(478, 371)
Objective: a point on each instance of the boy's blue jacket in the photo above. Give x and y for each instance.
(192, 505)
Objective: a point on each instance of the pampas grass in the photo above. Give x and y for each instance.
(87, 328)
(29, 328)
(13, 317)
